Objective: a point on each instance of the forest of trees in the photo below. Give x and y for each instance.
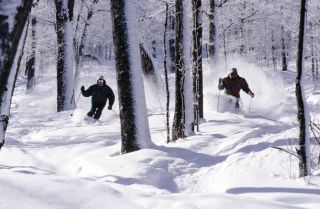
(180, 34)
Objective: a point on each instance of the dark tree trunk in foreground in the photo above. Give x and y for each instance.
(303, 113)
(179, 113)
(30, 65)
(65, 75)
(133, 120)
(197, 62)
(8, 48)
(166, 74)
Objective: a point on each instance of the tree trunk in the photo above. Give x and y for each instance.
(313, 62)
(65, 75)
(197, 62)
(9, 39)
(166, 74)
(242, 49)
(172, 43)
(313, 72)
(30, 66)
(317, 69)
(213, 33)
(303, 113)
(133, 119)
(80, 46)
(154, 49)
(178, 127)
(283, 51)
(146, 62)
(273, 49)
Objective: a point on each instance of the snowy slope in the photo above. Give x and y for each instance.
(53, 160)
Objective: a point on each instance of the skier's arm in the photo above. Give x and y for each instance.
(110, 96)
(86, 93)
(245, 88)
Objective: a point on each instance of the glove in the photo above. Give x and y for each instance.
(251, 94)
(109, 107)
(82, 88)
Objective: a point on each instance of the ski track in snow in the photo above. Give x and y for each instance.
(228, 164)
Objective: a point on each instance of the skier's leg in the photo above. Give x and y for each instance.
(98, 113)
(93, 109)
(236, 105)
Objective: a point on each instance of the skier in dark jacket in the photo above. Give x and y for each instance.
(100, 93)
(232, 84)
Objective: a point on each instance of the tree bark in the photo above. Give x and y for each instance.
(30, 65)
(213, 40)
(133, 119)
(65, 75)
(284, 50)
(303, 113)
(172, 43)
(313, 71)
(178, 127)
(166, 74)
(197, 62)
(9, 40)
(146, 62)
(273, 50)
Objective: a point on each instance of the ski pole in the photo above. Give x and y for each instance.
(75, 106)
(218, 102)
(250, 104)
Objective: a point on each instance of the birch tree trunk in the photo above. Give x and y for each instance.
(303, 112)
(65, 75)
(187, 52)
(135, 132)
(10, 36)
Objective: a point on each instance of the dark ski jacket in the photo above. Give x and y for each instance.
(100, 94)
(233, 86)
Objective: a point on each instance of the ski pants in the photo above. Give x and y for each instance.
(236, 101)
(96, 109)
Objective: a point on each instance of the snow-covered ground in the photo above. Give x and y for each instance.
(53, 160)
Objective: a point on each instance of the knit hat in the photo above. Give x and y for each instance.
(234, 72)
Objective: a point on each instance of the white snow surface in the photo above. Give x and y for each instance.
(55, 161)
